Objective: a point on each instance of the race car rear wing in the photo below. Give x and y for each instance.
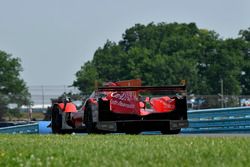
(173, 88)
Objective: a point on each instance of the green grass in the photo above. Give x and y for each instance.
(123, 150)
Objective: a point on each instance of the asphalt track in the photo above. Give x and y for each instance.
(43, 129)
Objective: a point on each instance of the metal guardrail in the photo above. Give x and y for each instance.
(21, 129)
(223, 120)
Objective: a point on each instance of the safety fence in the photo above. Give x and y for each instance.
(44, 93)
(225, 120)
(28, 128)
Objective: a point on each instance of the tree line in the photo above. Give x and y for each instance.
(164, 54)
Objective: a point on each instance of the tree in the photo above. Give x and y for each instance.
(86, 78)
(245, 71)
(245, 34)
(163, 54)
(13, 90)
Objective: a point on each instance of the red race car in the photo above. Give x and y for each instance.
(128, 107)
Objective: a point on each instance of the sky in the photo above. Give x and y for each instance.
(54, 38)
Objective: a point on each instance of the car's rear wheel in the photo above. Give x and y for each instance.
(132, 131)
(88, 120)
(170, 132)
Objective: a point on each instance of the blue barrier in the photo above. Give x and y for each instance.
(219, 120)
(22, 129)
(43, 127)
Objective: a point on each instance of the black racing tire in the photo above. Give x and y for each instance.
(56, 121)
(132, 131)
(88, 120)
(171, 132)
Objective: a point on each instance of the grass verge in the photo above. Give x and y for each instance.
(123, 150)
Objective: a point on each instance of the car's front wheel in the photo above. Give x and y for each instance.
(56, 121)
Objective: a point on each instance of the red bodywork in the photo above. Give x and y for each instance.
(130, 102)
(67, 107)
(76, 117)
